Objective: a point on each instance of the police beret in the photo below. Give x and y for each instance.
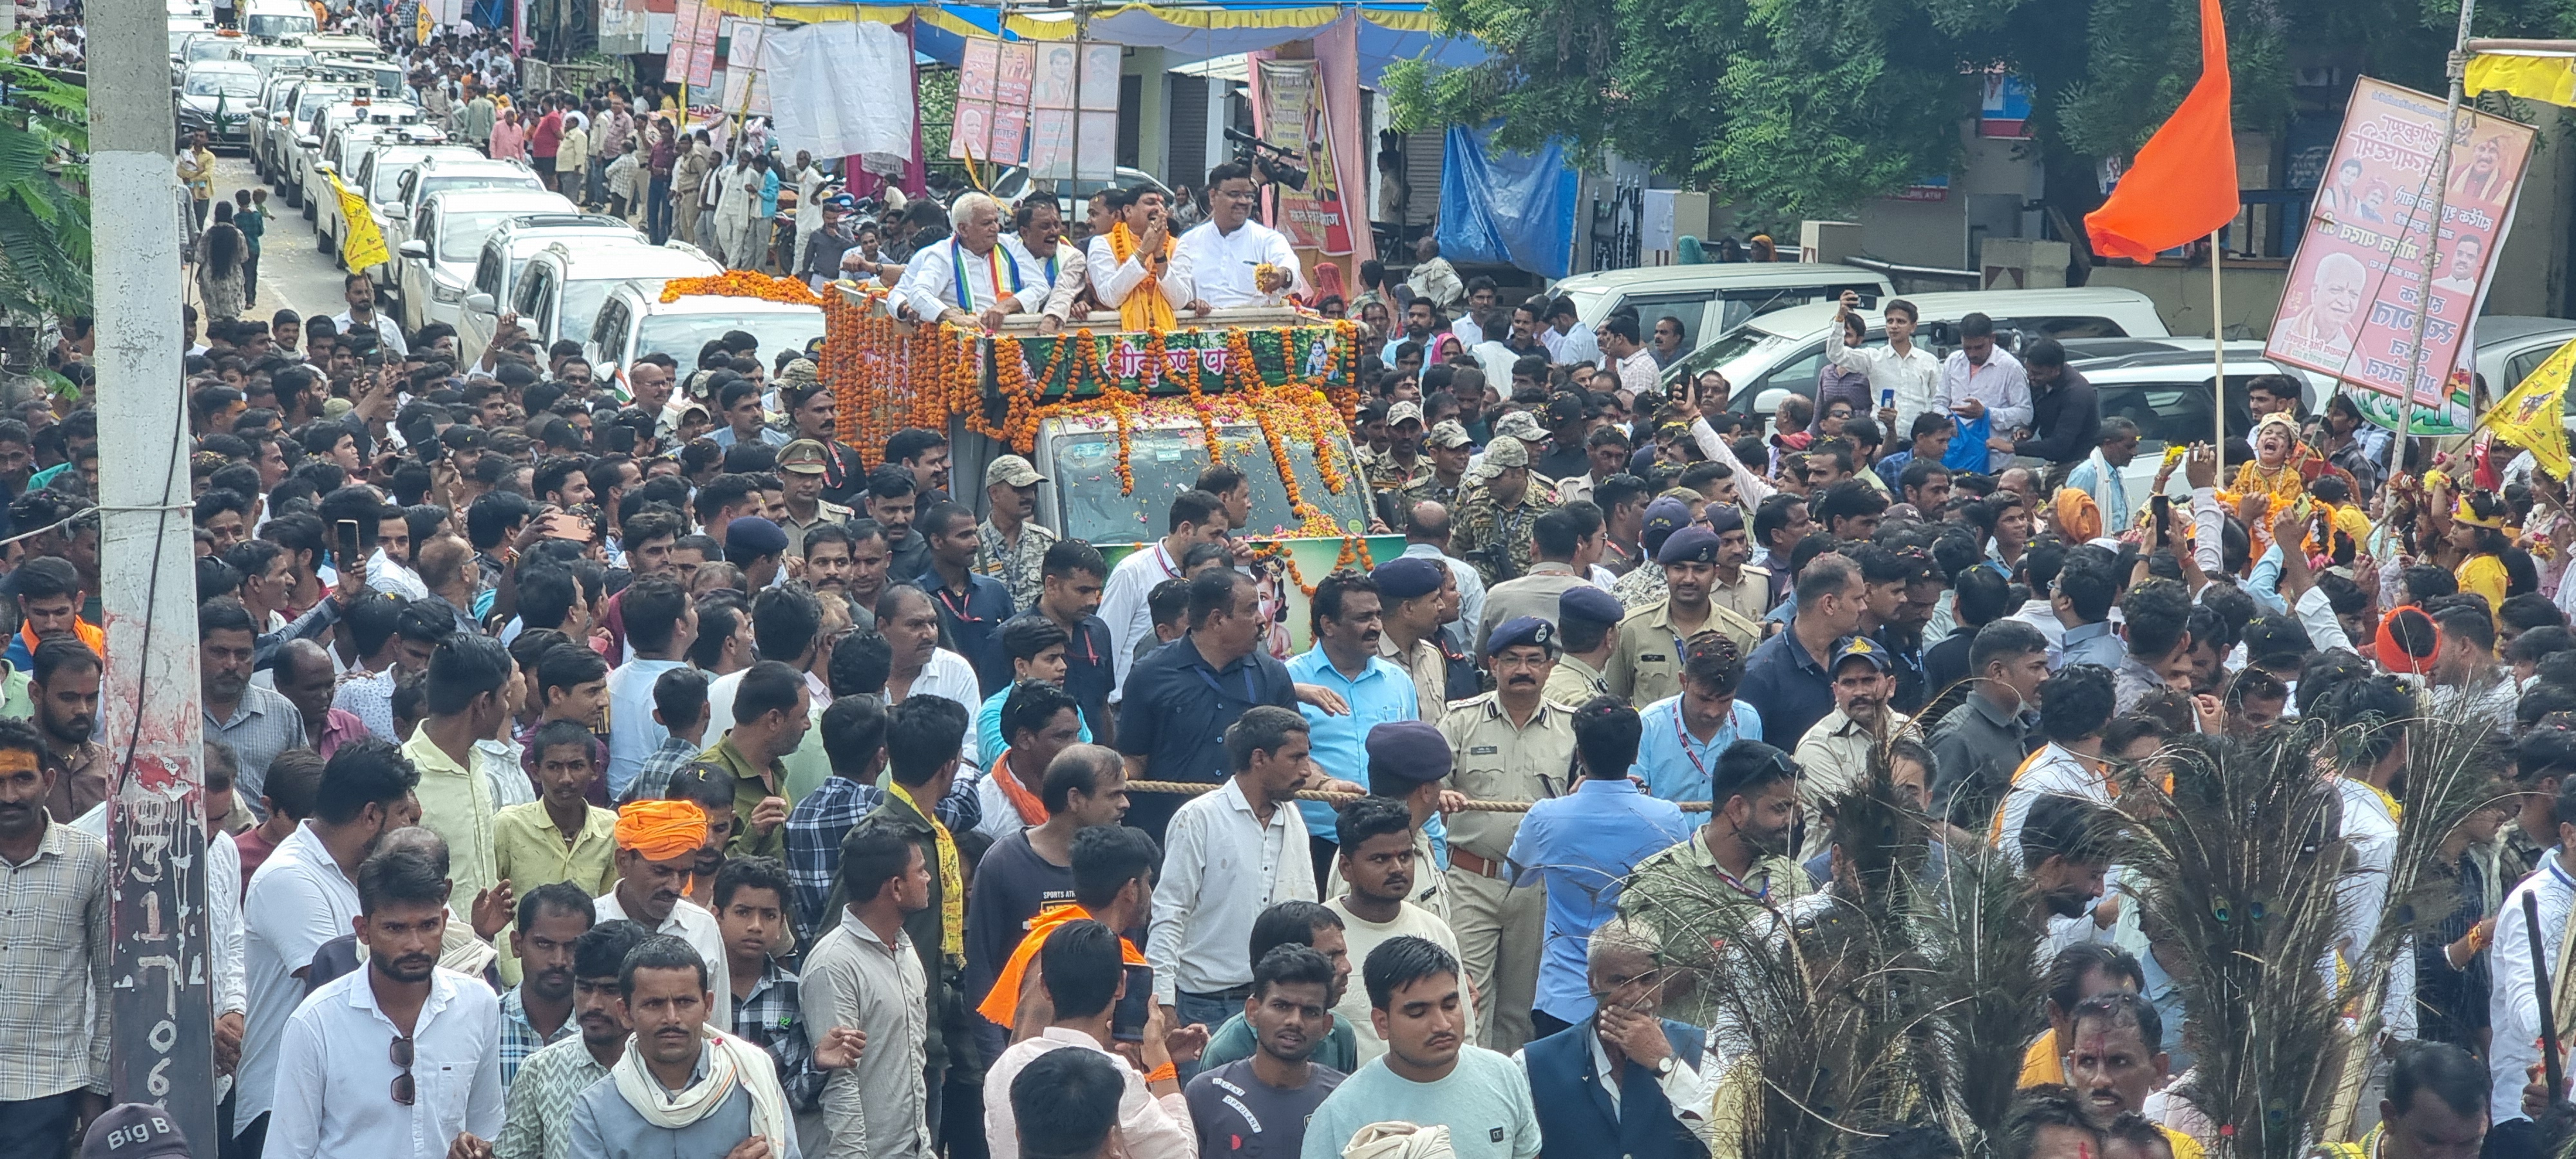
(1693, 544)
(1588, 603)
(1521, 630)
(751, 537)
(1409, 752)
(1664, 516)
(1408, 577)
(1723, 518)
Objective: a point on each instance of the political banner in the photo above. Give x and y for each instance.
(1293, 117)
(702, 46)
(970, 132)
(2349, 306)
(684, 34)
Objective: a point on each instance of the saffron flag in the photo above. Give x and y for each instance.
(2529, 417)
(2533, 78)
(362, 245)
(2182, 184)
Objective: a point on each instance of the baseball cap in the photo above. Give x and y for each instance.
(1447, 433)
(1503, 454)
(1012, 471)
(1861, 647)
(1519, 424)
(134, 1131)
(1403, 411)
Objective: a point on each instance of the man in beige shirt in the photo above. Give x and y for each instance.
(1646, 666)
(1587, 620)
(1834, 755)
(1737, 586)
(1412, 590)
(1511, 744)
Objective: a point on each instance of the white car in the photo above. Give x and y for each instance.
(2162, 385)
(1780, 353)
(216, 98)
(277, 20)
(635, 321)
(272, 59)
(1712, 300)
(558, 293)
(273, 138)
(453, 233)
(383, 168)
(325, 150)
(460, 168)
(184, 28)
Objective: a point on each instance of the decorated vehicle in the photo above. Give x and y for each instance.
(1121, 421)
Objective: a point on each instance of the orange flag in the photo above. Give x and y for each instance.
(2183, 183)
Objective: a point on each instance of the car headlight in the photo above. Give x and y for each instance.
(442, 292)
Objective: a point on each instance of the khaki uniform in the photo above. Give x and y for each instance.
(1501, 929)
(825, 511)
(1646, 666)
(1429, 668)
(1749, 596)
(1535, 593)
(1493, 537)
(1833, 758)
(1575, 682)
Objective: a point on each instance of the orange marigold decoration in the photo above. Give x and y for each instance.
(744, 284)
(1197, 379)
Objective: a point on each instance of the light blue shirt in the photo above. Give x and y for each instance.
(2092, 644)
(2165, 994)
(723, 436)
(988, 725)
(1381, 693)
(1675, 765)
(1583, 845)
(633, 734)
(2098, 478)
(1484, 1101)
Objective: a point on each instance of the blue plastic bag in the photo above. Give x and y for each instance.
(1968, 444)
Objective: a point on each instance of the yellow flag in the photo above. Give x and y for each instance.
(420, 29)
(362, 245)
(2533, 78)
(2531, 417)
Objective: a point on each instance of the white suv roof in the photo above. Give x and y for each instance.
(1800, 321)
(635, 260)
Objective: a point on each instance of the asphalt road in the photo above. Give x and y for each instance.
(292, 274)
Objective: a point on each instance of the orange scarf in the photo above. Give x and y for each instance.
(1032, 810)
(1146, 308)
(1002, 1003)
(95, 637)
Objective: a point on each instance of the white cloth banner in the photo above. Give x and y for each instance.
(841, 88)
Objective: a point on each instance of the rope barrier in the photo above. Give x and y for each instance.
(1194, 788)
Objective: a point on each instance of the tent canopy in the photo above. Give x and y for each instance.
(1388, 32)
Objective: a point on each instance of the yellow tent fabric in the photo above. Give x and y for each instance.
(2533, 78)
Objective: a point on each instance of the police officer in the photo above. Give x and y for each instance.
(1511, 744)
(1409, 588)
(1587, 620)
(1653, 641)
(1502, 499)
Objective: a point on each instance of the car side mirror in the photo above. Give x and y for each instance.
(415, 249)
(398, 212)
(478, 302)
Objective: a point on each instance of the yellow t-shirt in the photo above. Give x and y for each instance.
(2485, 575)
(2042, 1065)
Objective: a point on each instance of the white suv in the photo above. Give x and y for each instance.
(558, 293)
(453, 233)
(635, 321)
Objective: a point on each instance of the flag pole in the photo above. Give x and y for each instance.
(2218, 358)
(2458, 69)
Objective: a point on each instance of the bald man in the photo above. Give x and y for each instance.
(307, 678)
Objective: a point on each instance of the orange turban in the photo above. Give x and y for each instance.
(2078, 517)
(662, 830)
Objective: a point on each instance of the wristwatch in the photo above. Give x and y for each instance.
(1664, 1067)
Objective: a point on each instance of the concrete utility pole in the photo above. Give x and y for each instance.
(164, 1030)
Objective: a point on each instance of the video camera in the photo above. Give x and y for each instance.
(1274, 163)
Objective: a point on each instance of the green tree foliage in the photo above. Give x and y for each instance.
(1799, 109)
(44, 198)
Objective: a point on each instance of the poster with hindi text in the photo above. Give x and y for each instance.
(2349, 305)
(1010, 135)
(684, 32)
(1291, 108)
(1100, 77)
(976, 72)
(1016, 70)
(702, 46)
(1051, 143)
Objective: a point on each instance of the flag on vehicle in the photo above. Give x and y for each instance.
(362, 245)
(2182, 184)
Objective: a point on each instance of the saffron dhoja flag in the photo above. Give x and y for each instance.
(2529, 417)
(2182, 185)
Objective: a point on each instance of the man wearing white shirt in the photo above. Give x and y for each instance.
(359, 291)
(1229, 855)
(1628, 353)
(306, 894)
(1196, 517)
(1900, 370)
(1038, 238)
(439, 1076)
(1142, 215)
(1223, 258)
(970, 278)
(1983, 380)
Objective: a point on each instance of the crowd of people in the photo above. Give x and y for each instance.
(659, 775)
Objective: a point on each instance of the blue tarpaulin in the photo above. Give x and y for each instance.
(1515, 208)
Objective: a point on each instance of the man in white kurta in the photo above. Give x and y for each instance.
(969, 277)
(1222, 259)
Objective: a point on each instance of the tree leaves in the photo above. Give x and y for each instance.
(44, 204)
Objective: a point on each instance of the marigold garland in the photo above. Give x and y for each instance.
(744, 284)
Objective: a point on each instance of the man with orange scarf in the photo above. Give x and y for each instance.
(1131, 266)
(657, 847)
(1031, 871)
(1113, 884)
